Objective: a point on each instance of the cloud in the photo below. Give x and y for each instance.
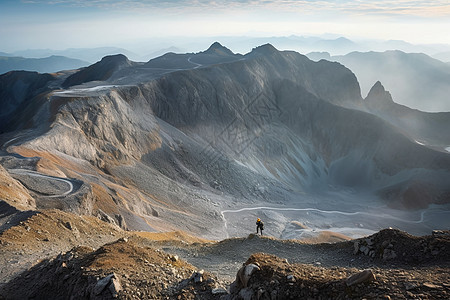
(436, 8)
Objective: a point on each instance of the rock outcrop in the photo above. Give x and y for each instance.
(398, 247)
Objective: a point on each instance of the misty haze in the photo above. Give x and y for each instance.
(134, 164)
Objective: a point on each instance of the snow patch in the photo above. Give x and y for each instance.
(447, 149)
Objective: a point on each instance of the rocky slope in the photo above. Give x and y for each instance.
(60, 255)
(163, 147)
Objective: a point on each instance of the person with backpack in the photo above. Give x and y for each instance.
(259, 226)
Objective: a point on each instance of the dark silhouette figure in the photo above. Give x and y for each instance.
(259, 226)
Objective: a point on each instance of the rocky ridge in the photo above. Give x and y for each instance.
(137, 267)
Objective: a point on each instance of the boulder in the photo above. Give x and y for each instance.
(248, 270)
(242, 277)
(112, 282)
(197, 277)
(361, 277)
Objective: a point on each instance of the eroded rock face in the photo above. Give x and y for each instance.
(17, 90)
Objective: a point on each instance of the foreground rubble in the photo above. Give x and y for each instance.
(137, 267)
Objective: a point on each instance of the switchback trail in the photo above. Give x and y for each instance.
(36, 174)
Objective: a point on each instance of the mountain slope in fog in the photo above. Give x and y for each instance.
(42, 65)
(414, 80)
(428, 129)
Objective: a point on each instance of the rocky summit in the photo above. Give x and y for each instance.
(97, 162)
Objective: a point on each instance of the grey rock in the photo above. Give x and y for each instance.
(219, 290)
(115, 287)
(410, 286)
(242, 277)
(440, 232)
(246, 294)
(197, 277)
(101, 285)
(389, 254)
(356, 247)
(361, 277)
(248, 272)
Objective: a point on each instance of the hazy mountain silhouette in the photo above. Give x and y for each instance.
(443, 56)
(86, 54)
(41, 65)
(415, 80)
(425, 128)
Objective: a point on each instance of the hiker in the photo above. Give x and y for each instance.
(259, 226)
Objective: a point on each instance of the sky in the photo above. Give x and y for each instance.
(61, 24)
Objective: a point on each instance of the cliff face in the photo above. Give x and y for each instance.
(270, 127)
(17, 89)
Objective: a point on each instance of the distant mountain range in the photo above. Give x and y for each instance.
(415, 80)
(148, 49)
(42, 65)
(90, 55)
(443, 56)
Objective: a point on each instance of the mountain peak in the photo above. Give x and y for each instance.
(101, 70)
(377, 89)
(118, 59)
(265, 49)
(217, 48)
(378, 93)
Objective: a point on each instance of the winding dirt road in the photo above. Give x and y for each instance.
(36, 174)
